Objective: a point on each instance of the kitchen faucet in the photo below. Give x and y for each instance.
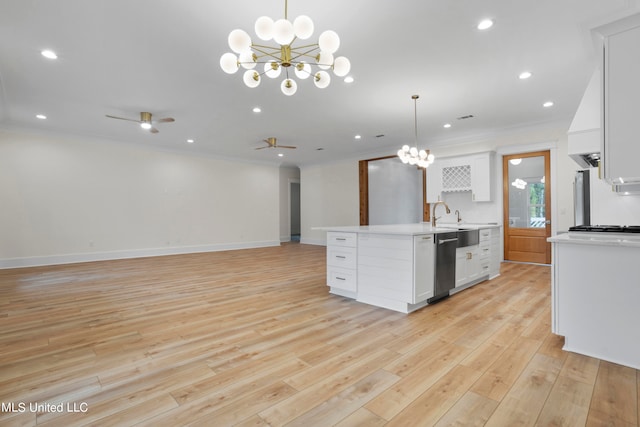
(458, 214)
(433, 214)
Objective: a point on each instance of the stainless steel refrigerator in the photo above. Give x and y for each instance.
(581, 198)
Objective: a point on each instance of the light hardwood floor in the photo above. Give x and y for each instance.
(252, 338)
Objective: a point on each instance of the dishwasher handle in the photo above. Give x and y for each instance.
(440, 242)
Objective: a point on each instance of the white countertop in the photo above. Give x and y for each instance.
(407, 229)
(598, 239)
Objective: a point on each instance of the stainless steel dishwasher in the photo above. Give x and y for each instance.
(445, 265)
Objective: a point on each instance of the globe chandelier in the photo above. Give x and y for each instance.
(290, 53)
(412, 155)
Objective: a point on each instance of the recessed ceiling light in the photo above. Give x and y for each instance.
(257, 109)
(49, 54)
(41, 116)
(348, 79)
(548, 104)
(485, 24)
(358, 137)
(525, 75)
(447, 125)
(280, 155)
(190, 141)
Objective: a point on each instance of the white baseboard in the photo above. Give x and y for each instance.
(320, 242)
(38, 261)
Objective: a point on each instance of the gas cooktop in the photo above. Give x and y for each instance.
(607, 228)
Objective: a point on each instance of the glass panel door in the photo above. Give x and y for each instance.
(527, 198)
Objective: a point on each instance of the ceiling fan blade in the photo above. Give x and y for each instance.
(122, 118)
(285, 146)
(153, 130)
(165, 120)
(261, 148)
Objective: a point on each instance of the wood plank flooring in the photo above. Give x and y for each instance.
(253, 338)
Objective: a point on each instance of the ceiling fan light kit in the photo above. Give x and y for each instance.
(412, 155)
(146, 121)
(286, 54)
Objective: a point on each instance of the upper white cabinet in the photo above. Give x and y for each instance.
(434, 182)
(621, 102)
(463, 173)
(481, 181)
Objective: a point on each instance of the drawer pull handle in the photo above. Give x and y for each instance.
(340, 278)
(341, 256)
(342, 239)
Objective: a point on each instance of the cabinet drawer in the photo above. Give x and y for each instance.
(341, 239)
(485, 252)
(341, 278)
(485, 235)
(340, 256)
(484, 268)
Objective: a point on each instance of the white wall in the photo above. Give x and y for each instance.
(329, 196)
(611, 208)
(68, 199)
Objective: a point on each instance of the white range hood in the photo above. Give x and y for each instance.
(584, 132)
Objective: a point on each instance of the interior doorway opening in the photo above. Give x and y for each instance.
(294, 210)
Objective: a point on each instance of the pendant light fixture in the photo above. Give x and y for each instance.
(413, 155)
(286, 55)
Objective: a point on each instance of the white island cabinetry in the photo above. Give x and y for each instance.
(342, 263)
(395, 271)
(392, 266)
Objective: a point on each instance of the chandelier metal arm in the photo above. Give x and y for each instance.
(275, 53)
(304, 54)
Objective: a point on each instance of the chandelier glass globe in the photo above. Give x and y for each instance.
(288, 53)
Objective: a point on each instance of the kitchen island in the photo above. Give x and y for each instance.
(393, 266)
(595, 291)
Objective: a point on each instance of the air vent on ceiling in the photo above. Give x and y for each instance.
(468, 116)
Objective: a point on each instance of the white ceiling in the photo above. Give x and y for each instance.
(120, 57)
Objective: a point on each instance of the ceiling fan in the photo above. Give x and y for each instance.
(273, 143)
(146, 122)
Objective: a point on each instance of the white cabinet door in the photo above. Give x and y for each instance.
(468, 266)
(481, 178)
(621, 105)
(434, 183)
(423, 268)
(461, 267)
(473, 263)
